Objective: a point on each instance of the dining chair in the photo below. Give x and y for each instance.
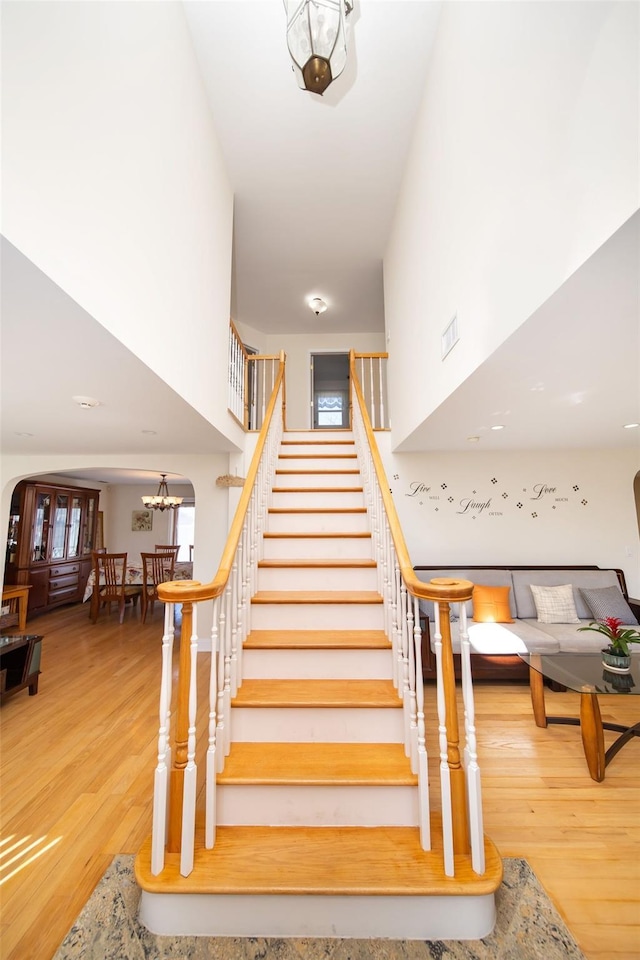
(156, 568)
(167, 548)
(110, 570)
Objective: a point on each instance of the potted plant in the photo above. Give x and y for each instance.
(616, 656)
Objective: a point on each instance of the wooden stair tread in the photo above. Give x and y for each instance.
(317, 489)
(320, 534)
(327, 472)
(316, 443)
(317, 640)
(317, 510)
(317, 456)
(317, 693)
(318, 764)
(323, 563)
(340, 861)
(316, 596)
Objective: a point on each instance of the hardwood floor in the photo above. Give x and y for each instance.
(77, 763)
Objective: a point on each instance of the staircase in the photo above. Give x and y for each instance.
(317, 808)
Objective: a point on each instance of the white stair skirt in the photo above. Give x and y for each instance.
(397, 918)
(289, 805)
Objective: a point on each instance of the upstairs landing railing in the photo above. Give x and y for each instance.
(460, 789)
(252, 378)
(230, 592)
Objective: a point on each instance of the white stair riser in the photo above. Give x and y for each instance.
(316, 806)
(317, 616)
(315, 436)
(317, 449)
(317, 725)
(312, 499)
(317, 664)
(317, 578)
(345, 462)
(317, 522)
(322, 548)
(394, 918)
(317, 480)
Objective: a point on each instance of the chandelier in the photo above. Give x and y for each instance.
(316, 37)
(162, 500)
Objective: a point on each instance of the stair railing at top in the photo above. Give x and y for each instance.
(230, 592)
(401, 591)
(252, 378)
(372, 376)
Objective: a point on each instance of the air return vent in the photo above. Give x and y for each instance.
(450, 336)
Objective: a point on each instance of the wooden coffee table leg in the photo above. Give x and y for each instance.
(536, 686)
(592, 734)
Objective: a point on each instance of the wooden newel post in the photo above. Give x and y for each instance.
(457, 773)
(181, 733)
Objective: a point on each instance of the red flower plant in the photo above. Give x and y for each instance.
(619, 639)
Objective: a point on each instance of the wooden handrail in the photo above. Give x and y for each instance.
(441, 589)
(183, 591)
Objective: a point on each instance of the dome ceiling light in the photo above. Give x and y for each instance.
(317, 305)
(317, 40)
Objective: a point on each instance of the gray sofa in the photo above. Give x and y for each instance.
(495, 647)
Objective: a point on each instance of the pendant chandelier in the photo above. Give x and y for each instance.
(316, 37)
(162, 500)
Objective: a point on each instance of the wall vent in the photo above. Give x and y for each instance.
(450, 336)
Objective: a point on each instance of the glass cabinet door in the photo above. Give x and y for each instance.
(89, 526)
(60, 515)
(41, 525)
(73, 543)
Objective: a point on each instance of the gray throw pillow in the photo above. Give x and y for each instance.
(607, 602)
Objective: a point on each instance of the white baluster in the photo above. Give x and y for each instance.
(423, 772)
(233, 665)
(210, 788)
(383, 421)
(161, 777)
(445, 777)
(227, 671)
(474, 788)
(373, 397)
(191, 771)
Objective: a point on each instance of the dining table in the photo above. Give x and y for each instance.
(183, 570)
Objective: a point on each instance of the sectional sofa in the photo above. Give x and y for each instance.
(495, 645)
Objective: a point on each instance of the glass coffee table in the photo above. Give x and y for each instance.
(586, 674)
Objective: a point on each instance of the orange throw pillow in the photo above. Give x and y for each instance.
(491, 604)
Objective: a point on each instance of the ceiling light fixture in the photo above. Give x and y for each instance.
(317, 40)
(162, 500)
(627, 426)
(498, 426)
(317, 305)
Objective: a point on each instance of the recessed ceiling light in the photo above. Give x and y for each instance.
(150, 432)
(629, 426)
(22, 434)
(498, 426)
(473, 439)
(86, 402)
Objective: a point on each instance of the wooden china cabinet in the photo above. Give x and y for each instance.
(51, 536)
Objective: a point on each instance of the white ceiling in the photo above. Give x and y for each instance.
(315, 183)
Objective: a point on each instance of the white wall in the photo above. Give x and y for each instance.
(524, 161)
(114, 184)
(538, 507)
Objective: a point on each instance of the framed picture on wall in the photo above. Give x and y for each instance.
(142, 520)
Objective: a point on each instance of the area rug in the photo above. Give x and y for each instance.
(528, 928)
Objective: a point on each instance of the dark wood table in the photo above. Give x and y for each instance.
(19, 664)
